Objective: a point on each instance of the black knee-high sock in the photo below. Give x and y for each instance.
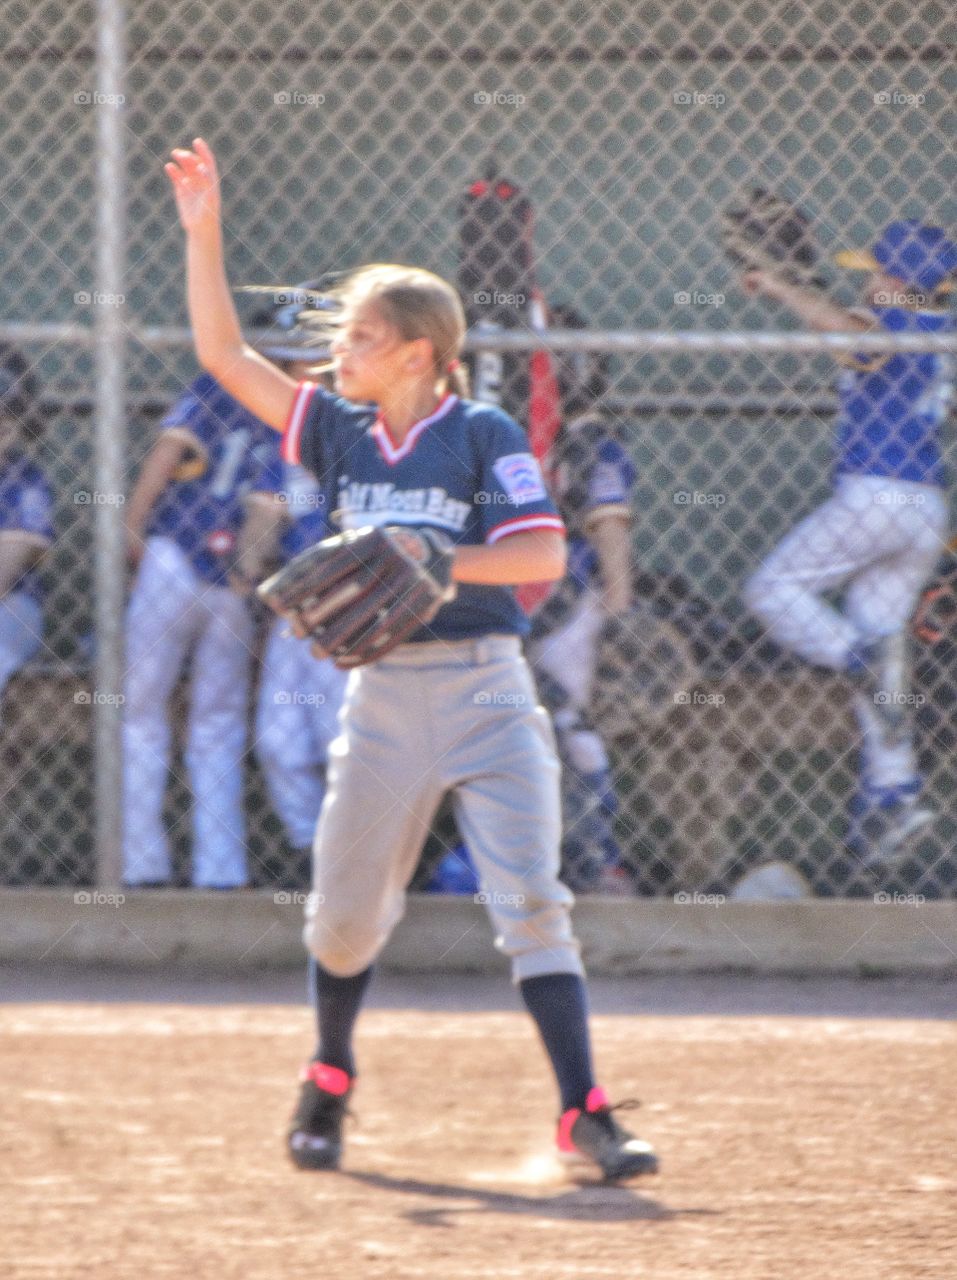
(337, 1002)
(559, 1004)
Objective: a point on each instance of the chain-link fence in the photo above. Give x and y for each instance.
(350, 133)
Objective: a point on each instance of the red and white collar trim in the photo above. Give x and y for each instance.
(291, 447)
(393, 452)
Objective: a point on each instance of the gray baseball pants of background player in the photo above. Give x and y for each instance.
(460, 717)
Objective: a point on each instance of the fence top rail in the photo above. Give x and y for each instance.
(614, 341)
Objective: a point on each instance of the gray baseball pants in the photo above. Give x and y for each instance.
(459, 717)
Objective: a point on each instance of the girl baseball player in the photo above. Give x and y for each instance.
(453, 711)
(881, 533)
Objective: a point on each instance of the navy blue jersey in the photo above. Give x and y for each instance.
(891, 409)
(26, 507)
(231, 453)
(465, 469)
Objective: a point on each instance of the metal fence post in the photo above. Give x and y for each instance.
(109, 439)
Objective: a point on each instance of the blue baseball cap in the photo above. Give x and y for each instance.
(910, 251)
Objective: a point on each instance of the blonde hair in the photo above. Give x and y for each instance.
(417, 304)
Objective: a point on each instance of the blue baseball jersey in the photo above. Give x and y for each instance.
(891, 409)
(307, 506)
(26, 506)
(465, 469)
(232, 453)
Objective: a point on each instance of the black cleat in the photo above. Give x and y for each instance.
(594, 1135)
(314, 1140)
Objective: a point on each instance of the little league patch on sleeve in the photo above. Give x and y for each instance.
(521, 478)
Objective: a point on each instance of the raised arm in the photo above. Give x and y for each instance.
(815, 309)
(249, 377)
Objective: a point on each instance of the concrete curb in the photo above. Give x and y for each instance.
(261, 929)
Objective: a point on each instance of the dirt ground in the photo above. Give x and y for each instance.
(143, 1140)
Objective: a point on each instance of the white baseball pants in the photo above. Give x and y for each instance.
(878, 539)
(171, 613)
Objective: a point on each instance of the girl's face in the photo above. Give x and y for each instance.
(370, 356)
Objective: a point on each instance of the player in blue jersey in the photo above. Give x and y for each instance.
(879, 537)
(299, 695)
(185, 522)
(592, 477)
(26, 520)
(454, 710)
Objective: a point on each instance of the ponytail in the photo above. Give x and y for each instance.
(457, 379)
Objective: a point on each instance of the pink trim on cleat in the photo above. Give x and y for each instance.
(597, 1098)
(565, 1126)
(330, 1079)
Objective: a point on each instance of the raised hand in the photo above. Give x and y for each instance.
(195, 185)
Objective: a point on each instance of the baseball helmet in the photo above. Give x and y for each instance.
(910, 251)
(291, 323)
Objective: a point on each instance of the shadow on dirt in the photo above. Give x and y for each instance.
(596, 1202)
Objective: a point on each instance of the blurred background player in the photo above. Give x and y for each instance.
(881, 533)
(299, 696)
(26, 513)
(185, 524)
(592, 477)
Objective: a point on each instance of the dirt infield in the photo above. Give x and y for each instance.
(144, 1141)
